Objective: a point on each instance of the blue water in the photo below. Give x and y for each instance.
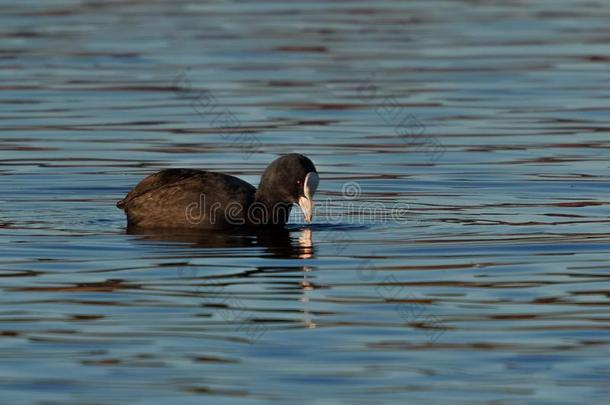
(459, 251)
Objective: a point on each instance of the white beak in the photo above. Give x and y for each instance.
(307, 207)
(310, 185)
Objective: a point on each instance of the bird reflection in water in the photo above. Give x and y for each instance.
(277, 243)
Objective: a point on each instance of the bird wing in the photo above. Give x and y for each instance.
(157, 180)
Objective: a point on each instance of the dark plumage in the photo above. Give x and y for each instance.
(197, 199)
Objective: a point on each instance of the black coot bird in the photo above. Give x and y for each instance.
(195, 199)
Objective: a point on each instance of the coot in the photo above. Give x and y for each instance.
(196, 199)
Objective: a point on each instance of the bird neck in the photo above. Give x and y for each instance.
(269, 210)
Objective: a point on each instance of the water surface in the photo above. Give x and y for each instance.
(487, 121)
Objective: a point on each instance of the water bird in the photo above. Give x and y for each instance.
(194, 199)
